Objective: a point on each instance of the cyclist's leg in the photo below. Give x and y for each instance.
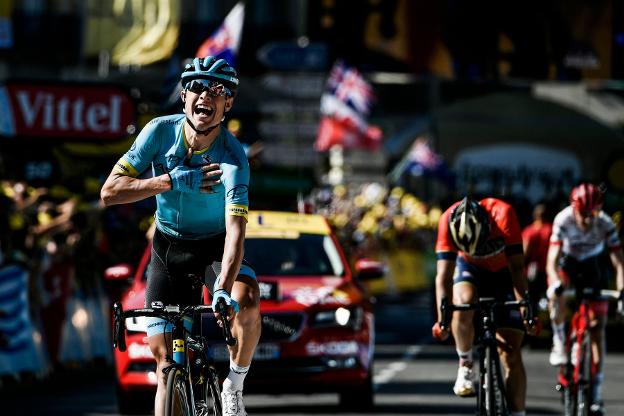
(568, 268)
(158, 283)
(464, 291)
(509, 335)
(510, 351)
(594, 269)
(161, 287)
(246, 328)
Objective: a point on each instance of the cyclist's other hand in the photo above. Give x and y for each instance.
(231, 303)
(186, 179)
(211, 175)
(438, 333)
(533, 326)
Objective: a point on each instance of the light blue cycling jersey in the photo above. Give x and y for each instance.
(162, 144)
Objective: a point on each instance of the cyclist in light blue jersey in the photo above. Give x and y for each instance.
(200, 178)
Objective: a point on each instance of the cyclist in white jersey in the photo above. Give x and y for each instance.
(200, 178)
(581, 234)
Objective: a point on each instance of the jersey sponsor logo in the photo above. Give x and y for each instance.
(125, 168)
(238, 191)
(238, 210)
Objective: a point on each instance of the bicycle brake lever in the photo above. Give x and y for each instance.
(119, 328)
(222, 310)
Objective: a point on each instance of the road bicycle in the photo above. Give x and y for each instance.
(491, 398)
(193, 387)
(576, 378)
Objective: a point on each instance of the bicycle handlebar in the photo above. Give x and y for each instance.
(166, 312)
(484, 304)
(589, 293)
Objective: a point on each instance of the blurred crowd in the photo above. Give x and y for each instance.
(373, 218)
(63, 240)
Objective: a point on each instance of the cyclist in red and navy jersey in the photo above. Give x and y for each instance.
(479, 252)
(581, 234)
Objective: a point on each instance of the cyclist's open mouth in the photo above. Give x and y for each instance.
(203, 110)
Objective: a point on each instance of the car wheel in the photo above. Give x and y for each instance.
(358, 398)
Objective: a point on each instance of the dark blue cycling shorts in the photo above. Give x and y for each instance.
(490, 284)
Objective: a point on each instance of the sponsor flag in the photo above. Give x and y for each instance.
(345, 106)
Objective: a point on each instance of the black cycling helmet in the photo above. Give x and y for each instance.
(212, 69)
(469, 225)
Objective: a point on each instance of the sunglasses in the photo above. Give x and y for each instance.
(214, 89)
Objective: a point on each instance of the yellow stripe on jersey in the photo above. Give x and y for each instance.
(238, 210)
(124, 168)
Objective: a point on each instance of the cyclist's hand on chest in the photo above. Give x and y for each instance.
(193, 179)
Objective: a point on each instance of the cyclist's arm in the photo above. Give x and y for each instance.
(444, 282)
(554, 251)
(233, 251)
(122, 189)
(124, 185)
(617, 259)
(516, 267)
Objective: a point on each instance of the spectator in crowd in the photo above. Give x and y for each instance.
(535, 240)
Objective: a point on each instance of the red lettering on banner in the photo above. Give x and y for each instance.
(71, 111)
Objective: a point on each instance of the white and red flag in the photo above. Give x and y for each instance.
(345, 106)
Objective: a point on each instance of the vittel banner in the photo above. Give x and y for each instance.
(65, 111)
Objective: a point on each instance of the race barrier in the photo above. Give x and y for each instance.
(20, 343)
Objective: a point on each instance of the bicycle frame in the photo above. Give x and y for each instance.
(181, 342)
(491, 397)
(575, 379)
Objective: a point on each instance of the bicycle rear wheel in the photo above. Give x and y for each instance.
(177, 400)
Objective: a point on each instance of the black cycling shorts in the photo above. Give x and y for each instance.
(179, 268)
(496, 285)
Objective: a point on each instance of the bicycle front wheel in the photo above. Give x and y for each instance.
(177, 400)
(495, 401)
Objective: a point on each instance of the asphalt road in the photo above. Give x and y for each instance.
(413, 376)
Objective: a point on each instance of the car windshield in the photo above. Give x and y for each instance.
(306, 255)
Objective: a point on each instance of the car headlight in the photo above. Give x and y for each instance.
(340, 317)
(136, 324)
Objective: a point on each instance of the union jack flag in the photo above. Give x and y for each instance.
(347, 85)
(345, 105)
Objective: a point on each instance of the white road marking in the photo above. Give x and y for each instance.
(391, 370)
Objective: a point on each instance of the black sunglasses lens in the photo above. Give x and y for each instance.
(197, 87)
